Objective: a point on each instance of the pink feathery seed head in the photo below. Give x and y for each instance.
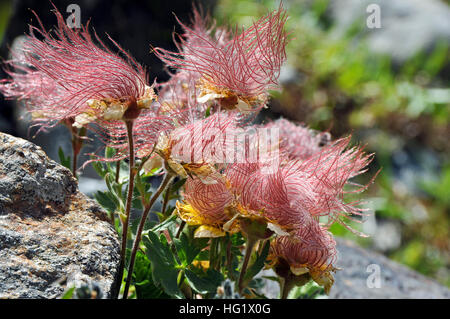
(146, 130)
(312, 247)
(204, 141)
(284, 197)
(235, 71)
(297, 141)
(33, 88)
(178, 98)
(331, 170)
(289, 196)
(300, 190)
(239, 174)
(79, 68)
(209, 200)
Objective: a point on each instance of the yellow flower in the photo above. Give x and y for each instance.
(203, 264)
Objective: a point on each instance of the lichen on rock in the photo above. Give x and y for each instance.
(51, 235)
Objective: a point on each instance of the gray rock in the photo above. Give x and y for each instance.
(51, 235)
(358, 279)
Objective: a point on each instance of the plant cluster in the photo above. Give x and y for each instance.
(237, 197)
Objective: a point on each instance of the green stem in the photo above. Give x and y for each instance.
(166, 200)
(251, 242)
(129, 125)
(213, 252)
(286, 285)
(229, 259)
(167, 179)
(221, 248)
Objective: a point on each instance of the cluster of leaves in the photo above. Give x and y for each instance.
(170, 262)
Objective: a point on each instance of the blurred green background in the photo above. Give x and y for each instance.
(396, 104)
(5, 12)
(400, 109)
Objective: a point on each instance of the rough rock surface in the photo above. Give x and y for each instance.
(359, 266)
(356, 278)
(51, 235)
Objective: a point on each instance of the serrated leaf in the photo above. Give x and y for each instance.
(105, 199)
(98, 167)
(165, 224)
(142, 279)
(204, 284)
(164, 271)
(187, 250)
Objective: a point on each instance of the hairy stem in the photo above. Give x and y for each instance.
(180, 229)
(117, 171)
(74, 162)
(166, 181)
(286, 285)
(129, 125)
(251, 242)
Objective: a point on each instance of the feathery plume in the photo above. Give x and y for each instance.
(66, 74)
(236, 71)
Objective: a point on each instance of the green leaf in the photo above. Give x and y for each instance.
(98, 167)
(137, 203)
(189, 249)
(310, 290)
(142, 279)
(256, 267)
(165, 224)
(65, 161)
(204, 284)
(176, 186)
(106, 200)
(110, 152)
(68, 294)
(237, 239)
(163, 264)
